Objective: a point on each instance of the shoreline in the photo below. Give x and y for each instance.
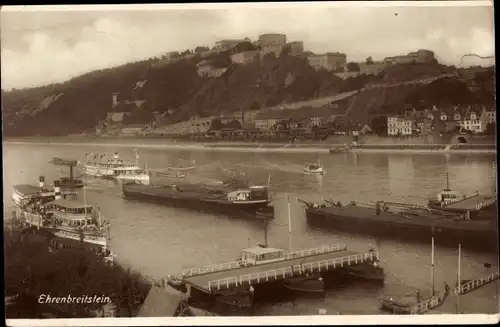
(281, 147)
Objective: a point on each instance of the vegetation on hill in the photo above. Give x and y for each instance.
(31, 270)
(178, 88)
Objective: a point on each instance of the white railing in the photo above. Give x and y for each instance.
(476, 283)
(315, 251)
(213, 268)
(283, 272)
(485, 204)
(429, 304)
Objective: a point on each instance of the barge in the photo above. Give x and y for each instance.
(410, 223)
(228, 197)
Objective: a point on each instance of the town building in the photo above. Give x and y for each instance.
(306, 116)
(276, 49)
(228, 44)
(206, 69)
(132, 129)
(296, 48)
(492, 116)
(420, 56)
(272, 39)
(475, 120)
(244, 57)
(329, 61)
(397, 125)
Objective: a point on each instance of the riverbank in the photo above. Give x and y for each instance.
(263, 147)
(64, 272)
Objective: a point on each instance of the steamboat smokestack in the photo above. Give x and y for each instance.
(57, 189)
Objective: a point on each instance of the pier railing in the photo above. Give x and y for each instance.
(282, 273)
(474, 284)
(243, 263)
(430, 303)
(315, 251)
(213, 268)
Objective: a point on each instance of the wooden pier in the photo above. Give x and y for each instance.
(240, 264)
(296, 264)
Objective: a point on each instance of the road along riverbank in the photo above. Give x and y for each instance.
(266, 147)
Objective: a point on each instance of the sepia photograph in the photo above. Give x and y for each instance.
(269, 163)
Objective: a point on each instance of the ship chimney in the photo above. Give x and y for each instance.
(41, 181)
(57, 189)
(115, 99)
(115, 155)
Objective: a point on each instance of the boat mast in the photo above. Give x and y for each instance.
(289, 223)
(85, 193)
(432, 267)
(458, 277)
(447, 183)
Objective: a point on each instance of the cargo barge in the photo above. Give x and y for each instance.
(409, 224)
(229, 197)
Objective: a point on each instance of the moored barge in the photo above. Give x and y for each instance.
(418, 224)
(225, 198)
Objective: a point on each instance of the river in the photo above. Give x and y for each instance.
(158, 240)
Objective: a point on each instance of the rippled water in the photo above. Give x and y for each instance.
(158, 240)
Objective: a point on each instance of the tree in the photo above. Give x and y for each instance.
(369, 61)
(216, 124)
(353, 67)
(201, 49)
(254, 106)
(186, 52)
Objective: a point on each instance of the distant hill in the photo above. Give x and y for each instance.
(143, 88)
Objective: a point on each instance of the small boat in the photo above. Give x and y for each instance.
(338, 150)
(170, 175)
(238, 298)
(176, 283)
(370, 271)
(63, 162)
(400, 307)
(71, 183)
(181, 168)
(314, 168)
(306, 284)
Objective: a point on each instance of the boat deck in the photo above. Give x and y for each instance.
(473, 203)
(277, 270)
(359, 212)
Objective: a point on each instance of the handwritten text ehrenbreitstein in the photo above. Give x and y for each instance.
(84, 299)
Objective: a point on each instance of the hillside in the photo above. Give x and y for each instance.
(85, 100)
(143, 89)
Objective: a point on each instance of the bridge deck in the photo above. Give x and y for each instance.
(260, 273)
(473, 203)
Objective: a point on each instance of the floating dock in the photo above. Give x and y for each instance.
(309, 261)
(414, 224)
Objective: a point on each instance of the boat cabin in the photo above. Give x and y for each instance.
(447, 196)
(253, 193)
(259, 255)
(313, 166)
(73, 213)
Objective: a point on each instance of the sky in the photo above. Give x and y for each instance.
(53, 44)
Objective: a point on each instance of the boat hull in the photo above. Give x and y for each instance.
(479, 235)
(306, 285)
(257, 209)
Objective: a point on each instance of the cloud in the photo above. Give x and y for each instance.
(47, 47)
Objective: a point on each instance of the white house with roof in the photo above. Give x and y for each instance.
(397, 125)
(475, 119)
